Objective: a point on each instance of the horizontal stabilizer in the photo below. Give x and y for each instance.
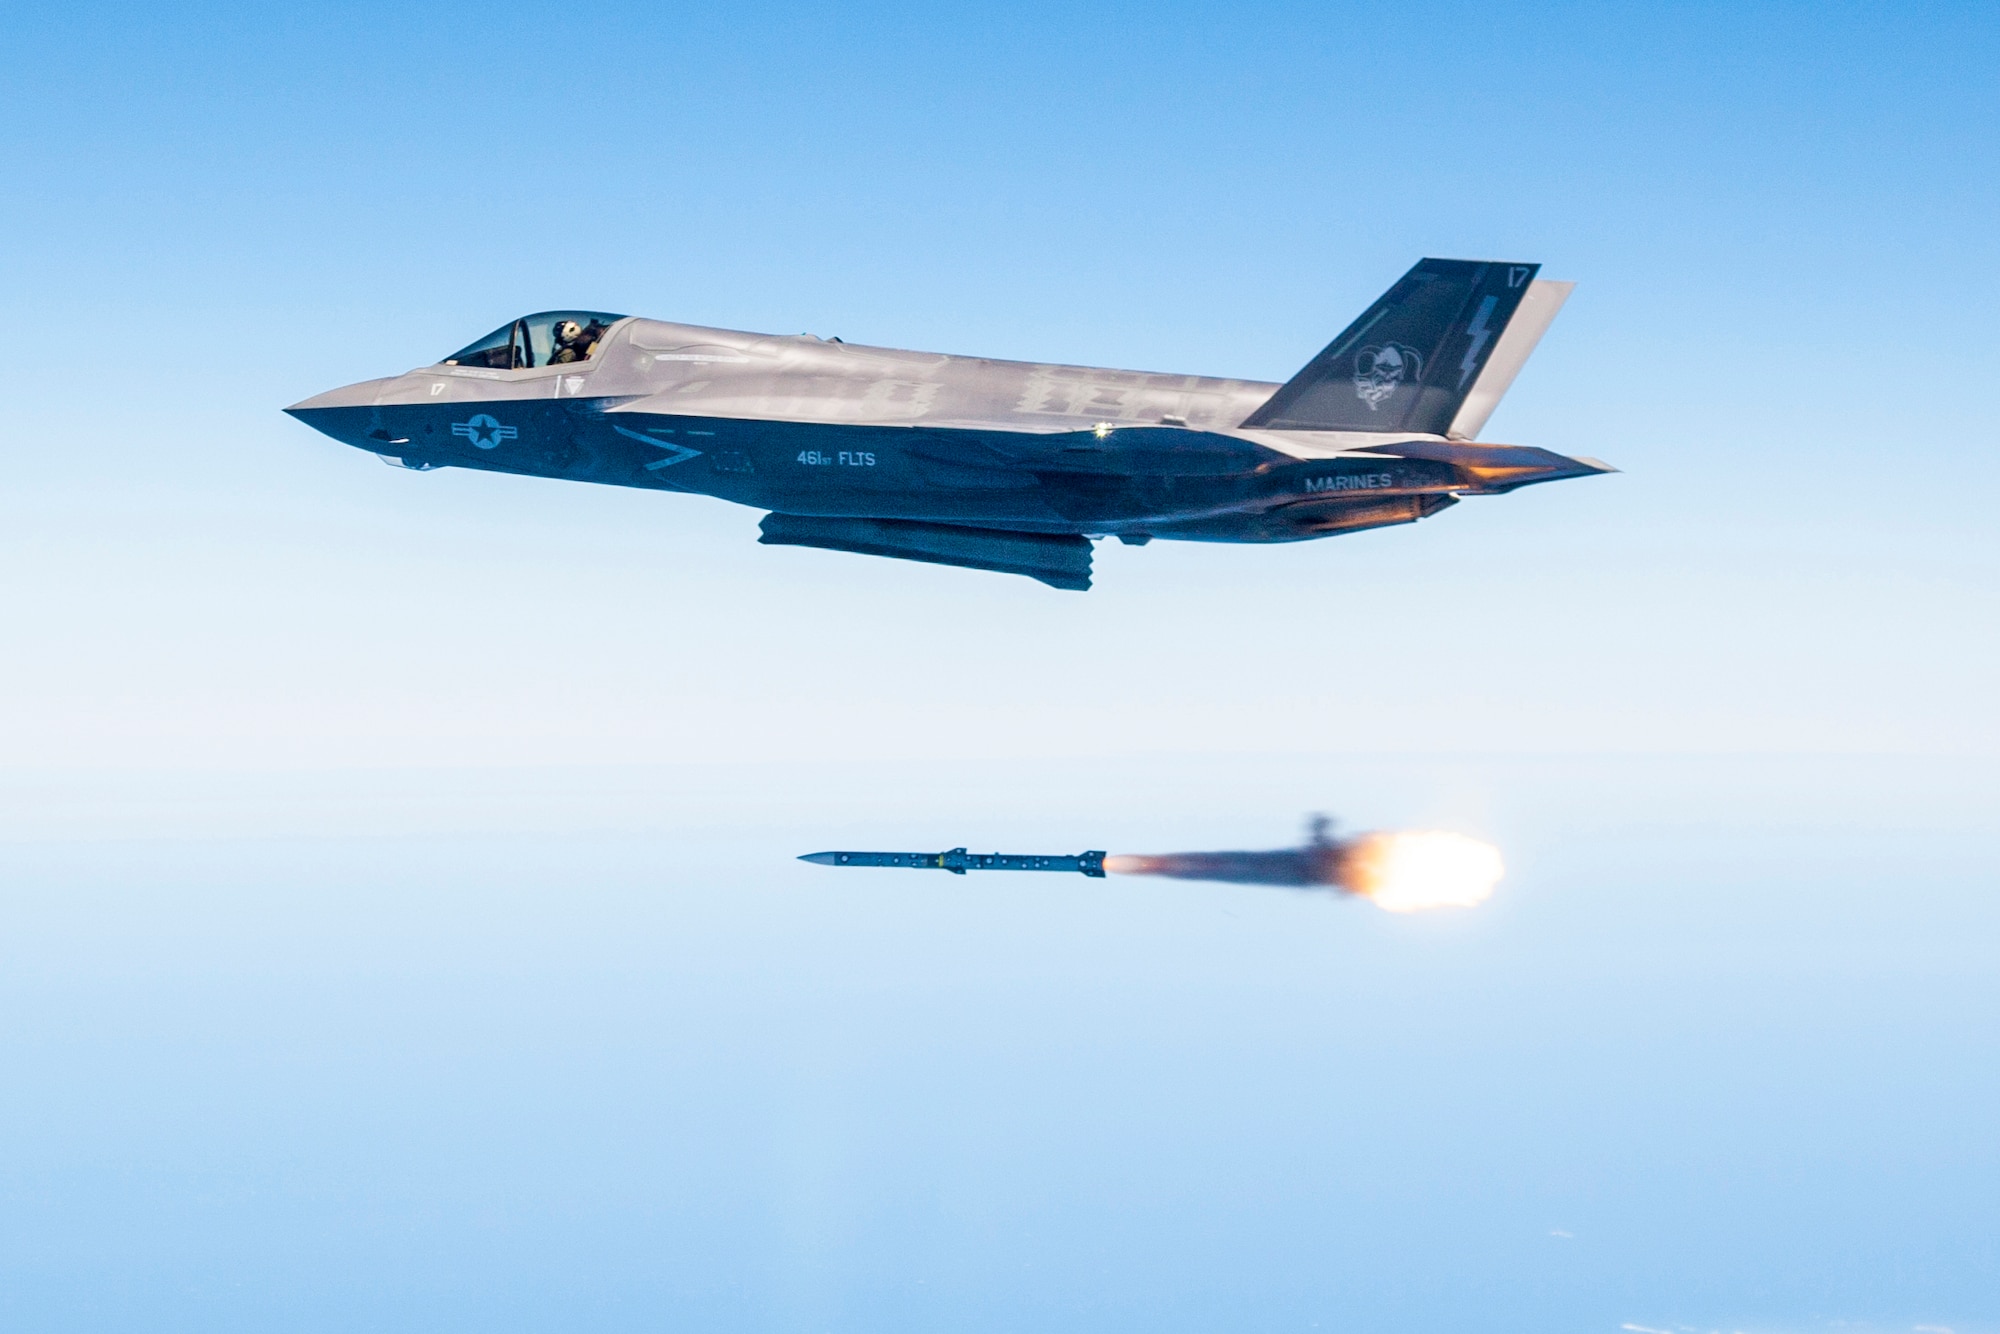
(1498, 468)
(1411, 361)
(1058, 560)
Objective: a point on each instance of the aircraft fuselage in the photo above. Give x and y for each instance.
(821, 429)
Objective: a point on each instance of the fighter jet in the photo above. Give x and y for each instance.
(994, 465)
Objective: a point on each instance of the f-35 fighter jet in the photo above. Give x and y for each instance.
(994, 465)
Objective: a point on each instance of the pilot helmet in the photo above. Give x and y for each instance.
(568, 331)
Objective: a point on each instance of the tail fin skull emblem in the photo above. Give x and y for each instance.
(1380, 371)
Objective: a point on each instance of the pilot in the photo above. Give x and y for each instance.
(575, 342)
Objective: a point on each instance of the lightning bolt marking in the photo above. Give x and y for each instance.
(1481, 335)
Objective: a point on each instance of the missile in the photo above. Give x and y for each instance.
(1401, 871)
(958, 861)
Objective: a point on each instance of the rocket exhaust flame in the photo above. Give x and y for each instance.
(1409, 872)
(1399, 872)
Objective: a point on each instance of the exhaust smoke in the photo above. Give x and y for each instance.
(1407, 871)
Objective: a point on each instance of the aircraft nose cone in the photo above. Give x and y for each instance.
(347, 425)
(347, 414)
(361, 395)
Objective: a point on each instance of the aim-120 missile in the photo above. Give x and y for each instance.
(1402, 871)
(958, 861)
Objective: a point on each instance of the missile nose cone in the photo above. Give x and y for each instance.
(822, 858)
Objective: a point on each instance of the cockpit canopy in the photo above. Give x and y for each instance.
(552, 338)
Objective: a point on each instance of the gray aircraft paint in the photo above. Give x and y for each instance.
(963, 460)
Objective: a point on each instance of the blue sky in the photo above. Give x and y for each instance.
(319, 777)
(1779, 220)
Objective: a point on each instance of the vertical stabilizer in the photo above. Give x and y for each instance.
(1410, 362)
(1531, 320)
